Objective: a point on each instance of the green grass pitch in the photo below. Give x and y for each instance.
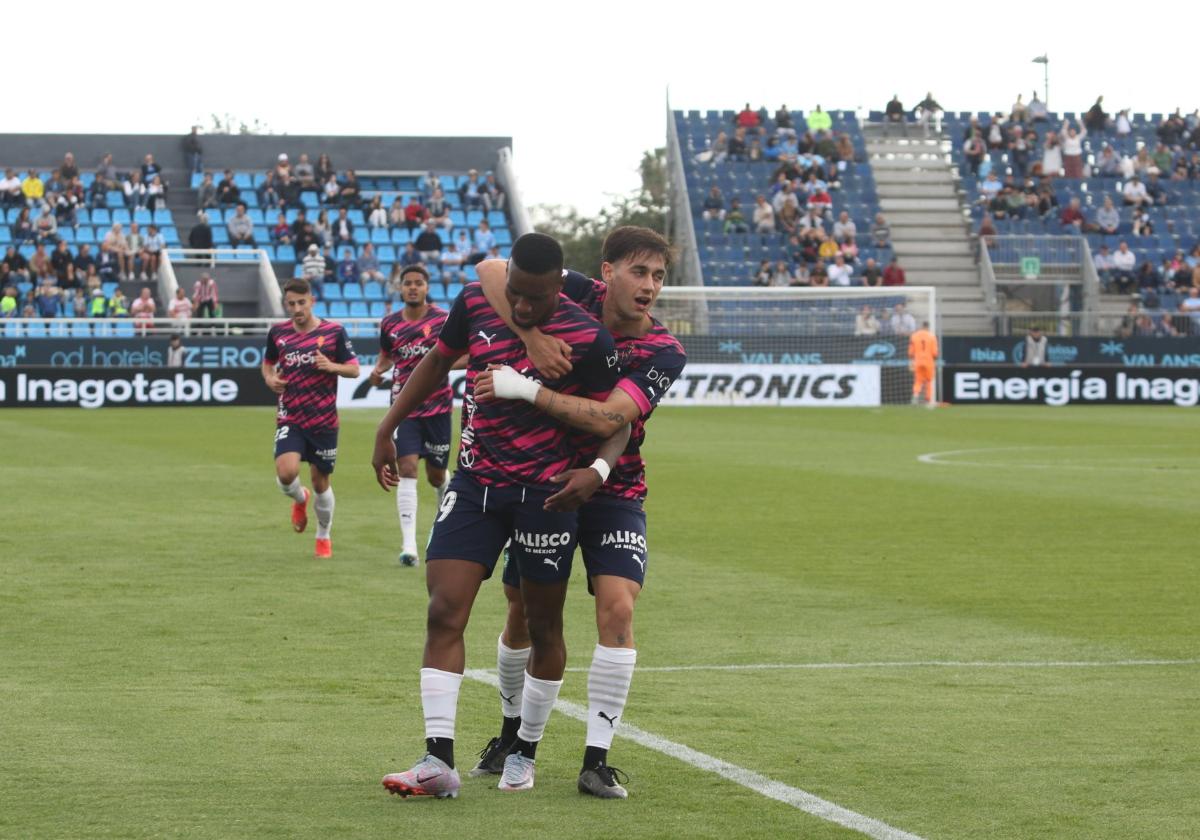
(174, 663)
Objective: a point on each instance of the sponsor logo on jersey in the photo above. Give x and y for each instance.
(624, 538)
(531, 539)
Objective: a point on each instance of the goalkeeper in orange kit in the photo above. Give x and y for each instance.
(922, 361)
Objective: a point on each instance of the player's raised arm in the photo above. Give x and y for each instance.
(551, 356)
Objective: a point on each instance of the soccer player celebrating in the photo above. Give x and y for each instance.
(612, 525)
(501, 491)
(404, 339)
(303, 360)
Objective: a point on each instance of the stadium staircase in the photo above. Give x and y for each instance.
(919, 198)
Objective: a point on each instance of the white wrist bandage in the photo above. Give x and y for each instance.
(601, 466)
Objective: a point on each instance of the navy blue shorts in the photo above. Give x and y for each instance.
(425, 437)
(475, 521)
(319, 448)
(612, 539)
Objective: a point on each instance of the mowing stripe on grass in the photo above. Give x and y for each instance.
(756, 782)
(833, 666)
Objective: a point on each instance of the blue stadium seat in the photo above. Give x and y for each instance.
(386, 253)
(352, 291)
(378, 309)
(143, 216)
(359, 309)
(285, 253)
(338, 309)
(401, 236)
(496, 219)
(361, 236)
(453, 290)
(121, 216)
(333, 291)
(372, 291)
(320, 309)
(380, 236)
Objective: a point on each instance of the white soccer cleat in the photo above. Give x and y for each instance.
(518, 773)
(430, 777)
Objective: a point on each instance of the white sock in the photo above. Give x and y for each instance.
(406, 506)
(323, 505)
(439, 699)
(608, 688)
(295, 489)
(537, 701)
(510, 663)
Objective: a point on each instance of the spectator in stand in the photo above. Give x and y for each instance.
(736, 149)
(974, 152)
(18, 266)
(1095, 119)
(63, 264)
(152, 250)
(23, 230)
(323, 169)
(227, 190)
(989, 188)
(927, 110)
(484, 241)
(281, 234)
(1052, 159)
(193, 153)
(1107, 217)
(347, 269)
(156, 193)
(1019, 112)
(764, 215)
(789, 218)
(438, 209)
(288, 190)
(9, 304)
(1134, 194)
(871, 274)
(180, 309)
(415, 214)
(330, 189)
(1108, 162)
(714, 204)
(865, 322)
(429, 244)
(349, 194)
(46, 229)
(1072, 217)
(135, 191)
(268, 190)
(840, 272)
(205, 297)
(818, 277)
(304, 173)
(893, 275)
(820, 199)
(470, 194)
(115, 247)
(118, 305)
(1072, 150)
(735, 219)
(1124, 262)
(149, 169)
(1155, 191)
(135, 241)
(844, 226)
(453, 260)
(97, 195)
(143, 310)
(241, 228)
(33, 189)
(494, 197)
(849, 249)
(827, 247)
(1037, 110)
(748, 119)
(368, 265)
(10, 190)
(313, 269)
(85, 268)
(377, 216)
(894, 112)
(396, 213)
(343, 229)
(323, 230)
(881, 231)
(97, 306)
(819, 121)
(47, 302)
(901, 321)
(206, 193)
(1103, 262)
(201, 236)
(762, 277)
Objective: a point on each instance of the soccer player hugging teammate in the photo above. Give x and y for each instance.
(612, 525)
(405, 337)
(304, 358)
(502, 490)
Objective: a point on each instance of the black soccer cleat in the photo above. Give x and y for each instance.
(491, 758)
(603, 782)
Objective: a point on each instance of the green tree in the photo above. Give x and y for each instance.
(582, 236)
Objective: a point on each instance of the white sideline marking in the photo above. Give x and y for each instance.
(834, 666)
(756, 782)
(946, 458)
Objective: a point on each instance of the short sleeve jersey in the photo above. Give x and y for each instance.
(310, 399)
(505, 442)
(922, 347)
(406, 343)
(648, 365)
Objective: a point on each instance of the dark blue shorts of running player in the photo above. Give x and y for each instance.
(475, 521)
(612, 539)
(318, 448)
(425, 437)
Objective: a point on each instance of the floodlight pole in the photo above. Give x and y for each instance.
(1044, 60)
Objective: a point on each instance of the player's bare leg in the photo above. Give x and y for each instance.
(609, 677)
(287, 476)
(323, 504)
(543, 677)
(512, 657)
(439, 479)
(406, 508)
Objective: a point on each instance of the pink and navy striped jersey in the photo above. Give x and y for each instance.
(310, 399)
(406, 342)
(648, 365)
(508, 442)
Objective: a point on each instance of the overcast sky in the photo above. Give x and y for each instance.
(580, 87)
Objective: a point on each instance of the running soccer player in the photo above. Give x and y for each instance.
(404, 339)
(303, 359)
(501, 491)
(922, 361)
(612, 525)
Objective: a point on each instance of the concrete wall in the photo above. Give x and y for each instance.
(255, 152)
